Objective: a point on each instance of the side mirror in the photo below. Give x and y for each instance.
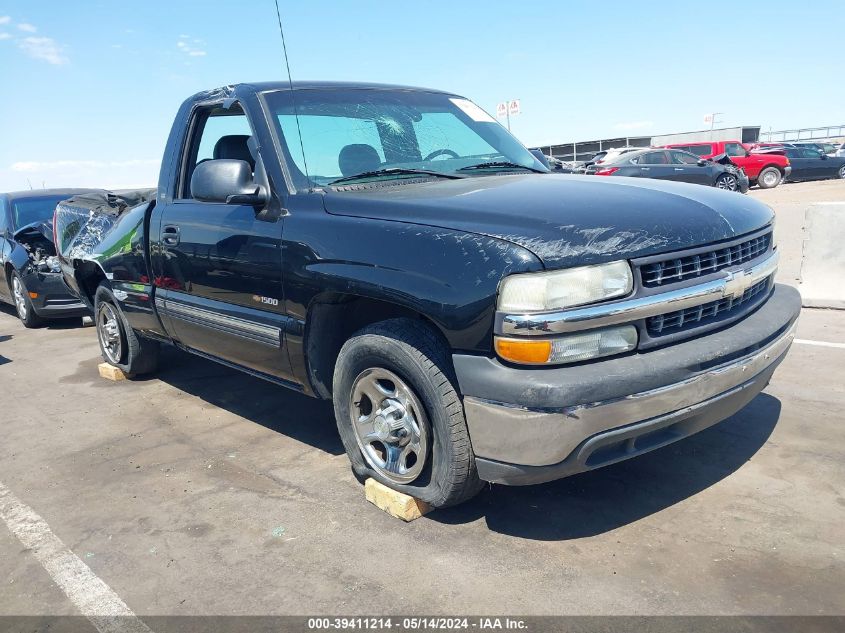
(228, 181)
(823, 156)
(701, 162)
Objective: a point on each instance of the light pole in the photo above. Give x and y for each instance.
(712, 117)
(504, 109)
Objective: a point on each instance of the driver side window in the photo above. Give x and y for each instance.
(734, 149)
(682, 158)
(217, 133)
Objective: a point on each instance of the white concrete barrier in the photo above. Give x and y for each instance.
(823, 259)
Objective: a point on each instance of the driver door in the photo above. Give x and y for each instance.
(685, 168)
(656, 165)
(219, 272)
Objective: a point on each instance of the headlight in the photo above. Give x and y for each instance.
(570, 348)
(557, 289)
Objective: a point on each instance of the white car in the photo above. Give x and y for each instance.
(615, 152)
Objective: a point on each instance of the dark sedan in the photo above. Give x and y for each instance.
(669, 164)
(810, 164)
(31, 279)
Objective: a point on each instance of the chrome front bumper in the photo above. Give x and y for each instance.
(547, 424)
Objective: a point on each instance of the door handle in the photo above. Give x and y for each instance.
(170, 234)
(679, 169)
(645, 168)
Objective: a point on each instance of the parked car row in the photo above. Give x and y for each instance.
(471, 316)
(678, 166)
(765, 165)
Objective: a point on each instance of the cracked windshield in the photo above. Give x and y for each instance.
(362, 135)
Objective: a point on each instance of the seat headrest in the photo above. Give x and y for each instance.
(358, 158)
(234, 146)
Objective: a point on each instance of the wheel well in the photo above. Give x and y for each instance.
(778, 167)
(333, 320)
(88, 277)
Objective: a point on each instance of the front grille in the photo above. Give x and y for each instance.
(706, 313)
(675, 269)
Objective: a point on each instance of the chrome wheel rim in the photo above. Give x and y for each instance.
(20, 297)
(727, 182)
(769, 178)
(390, 425)
(842, 171)
(108, 330)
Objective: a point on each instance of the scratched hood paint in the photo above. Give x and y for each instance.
(565, 220)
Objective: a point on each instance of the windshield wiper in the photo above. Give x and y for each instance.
(395, 171)
(500, 164)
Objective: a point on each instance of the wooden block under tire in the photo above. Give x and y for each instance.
(109, 372)
(396, 504)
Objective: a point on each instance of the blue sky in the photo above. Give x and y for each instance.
(90, 88)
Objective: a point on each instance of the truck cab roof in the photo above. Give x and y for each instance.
(271, 86)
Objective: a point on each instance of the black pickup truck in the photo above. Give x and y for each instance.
(472, 316)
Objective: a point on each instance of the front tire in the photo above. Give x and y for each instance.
(23, 304)
(727, 182)
(841, 171)
(769, 178)
(119, 344)
(399, 414)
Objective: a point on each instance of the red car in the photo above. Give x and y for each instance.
(766, 170)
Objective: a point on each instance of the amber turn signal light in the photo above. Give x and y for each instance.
(33, 295)
(520, 351)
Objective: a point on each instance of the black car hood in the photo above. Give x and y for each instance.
(564, 220)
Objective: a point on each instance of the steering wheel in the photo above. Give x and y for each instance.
(441, 152)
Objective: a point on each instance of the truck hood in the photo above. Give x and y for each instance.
(564, 220)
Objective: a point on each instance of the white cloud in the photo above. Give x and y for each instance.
(5, 19)
(43, 48)
(28, 28)
(633, 125)
(108, 174)
(4, 36)
(55, 165)
(190, 49)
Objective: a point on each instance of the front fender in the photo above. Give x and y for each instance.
(450, 277)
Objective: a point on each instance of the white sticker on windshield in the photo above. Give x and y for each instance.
(473, 111)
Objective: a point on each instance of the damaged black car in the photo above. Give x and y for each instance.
(31, 279)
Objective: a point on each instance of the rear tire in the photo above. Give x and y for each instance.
(119, 344)
(769, 178)
(841, 171)
(23, 304)
(413, 398)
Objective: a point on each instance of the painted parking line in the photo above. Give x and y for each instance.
(93, 597)
(803, 341)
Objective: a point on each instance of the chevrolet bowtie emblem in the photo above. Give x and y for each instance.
(737, 283)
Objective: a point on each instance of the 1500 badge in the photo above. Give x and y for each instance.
(270, 301)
